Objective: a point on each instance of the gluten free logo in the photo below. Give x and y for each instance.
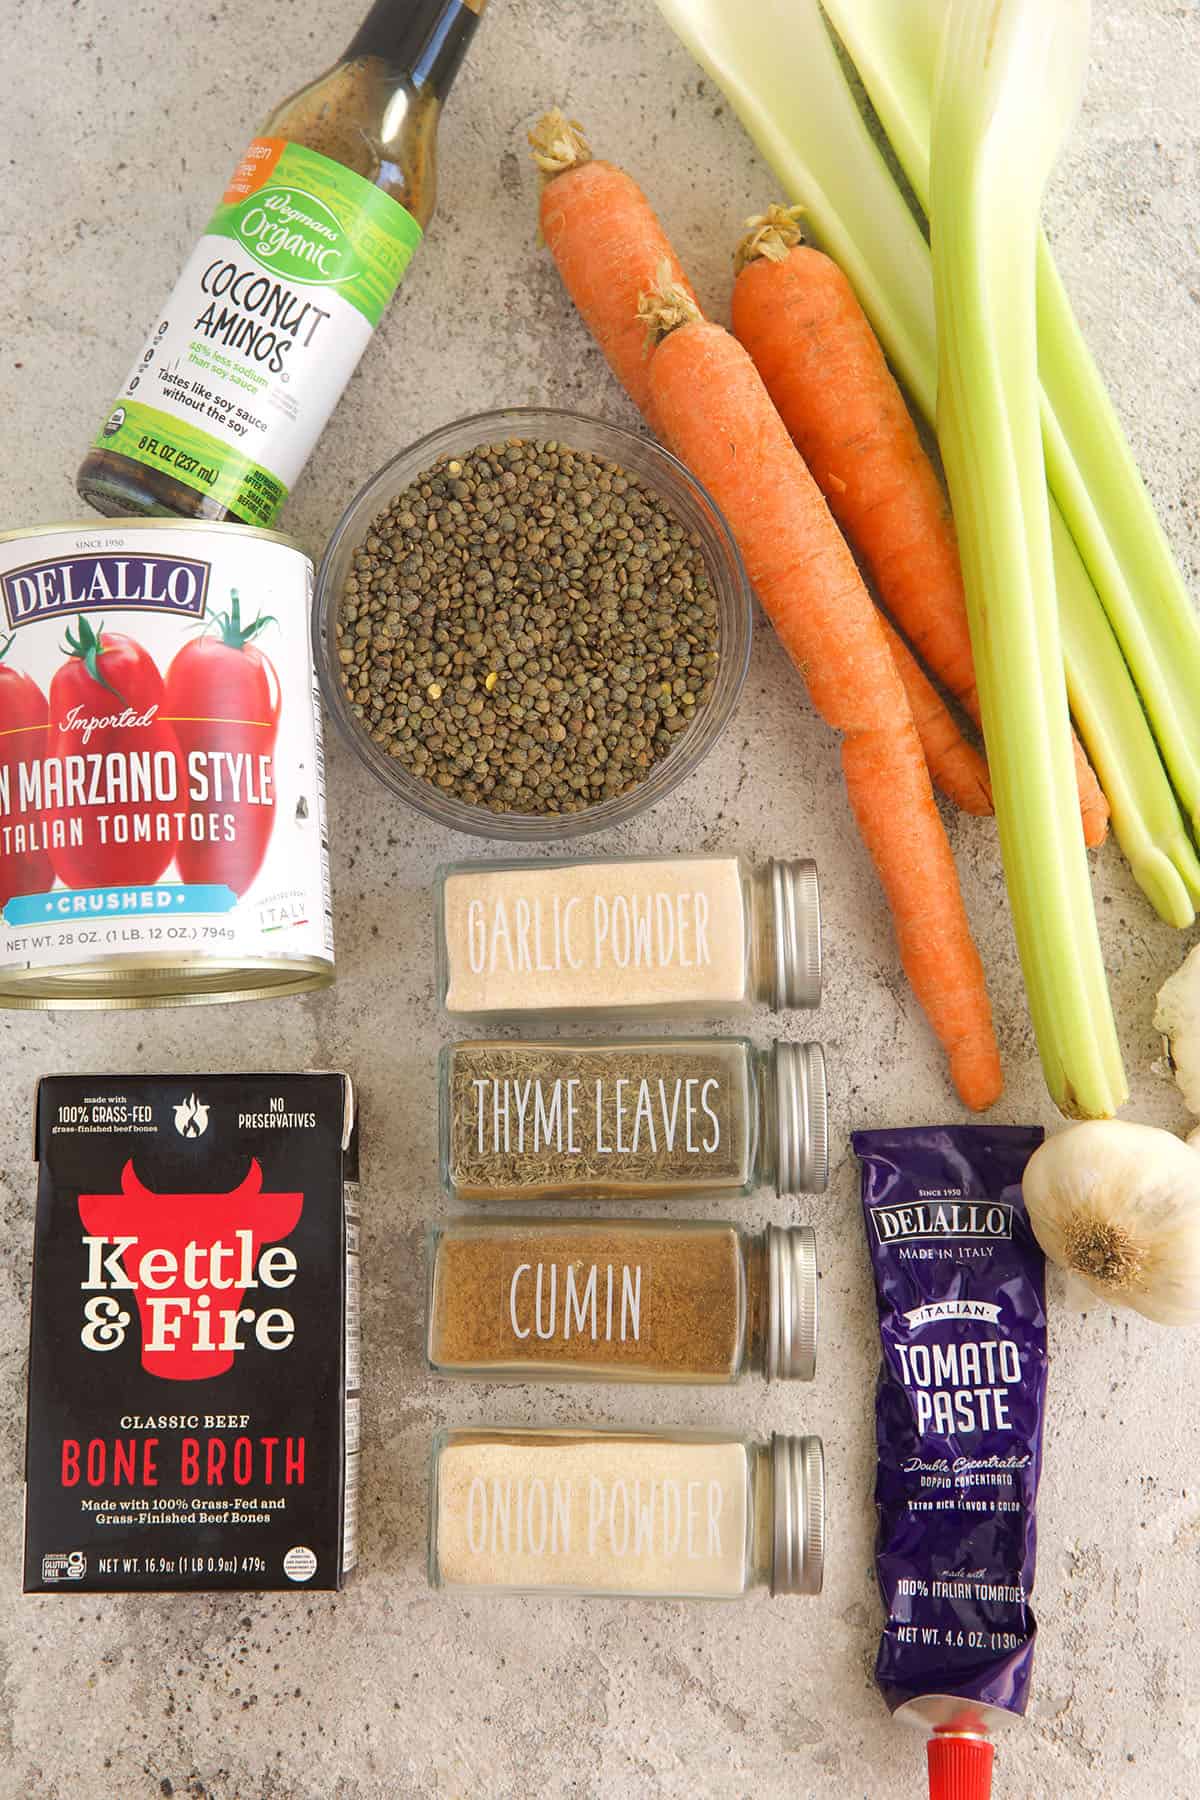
(64, 1565)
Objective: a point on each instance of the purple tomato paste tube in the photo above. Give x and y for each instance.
(959, 1281)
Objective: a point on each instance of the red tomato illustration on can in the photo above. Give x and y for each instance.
(24, 735)
(223, 701)
(120, 788)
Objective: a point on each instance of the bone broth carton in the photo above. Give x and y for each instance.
(193, 1371)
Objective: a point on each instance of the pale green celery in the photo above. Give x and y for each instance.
(894, 45)
(789, 90)
(776, 65)
(1146, 820)
(1092, 473)
(1111, 516)
(1007, 88)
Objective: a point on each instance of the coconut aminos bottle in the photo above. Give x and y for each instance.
(265, 326)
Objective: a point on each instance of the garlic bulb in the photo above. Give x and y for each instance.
(1119, 1205)
(1177, 1016)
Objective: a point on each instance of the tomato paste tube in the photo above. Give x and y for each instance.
(959, 1281)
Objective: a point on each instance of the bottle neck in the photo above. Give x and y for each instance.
(424, 40)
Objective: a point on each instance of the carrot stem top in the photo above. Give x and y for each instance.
(558, 144)
(666, 306)
(771, 234)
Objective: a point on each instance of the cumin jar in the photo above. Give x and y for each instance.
(696, 1301)
(638, 1118)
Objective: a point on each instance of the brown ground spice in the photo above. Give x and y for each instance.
(692, 1313)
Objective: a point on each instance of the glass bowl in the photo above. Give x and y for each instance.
(683, 496)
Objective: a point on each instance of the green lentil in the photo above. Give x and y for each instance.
(528, 628)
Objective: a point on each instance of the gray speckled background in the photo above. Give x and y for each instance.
(121, 123)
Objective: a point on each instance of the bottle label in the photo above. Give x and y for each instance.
(264, 328)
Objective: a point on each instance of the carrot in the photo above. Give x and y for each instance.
(607, 242)
(719, 419)
(798, 316)
(955, 766)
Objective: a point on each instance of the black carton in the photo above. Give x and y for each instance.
(193, 1363)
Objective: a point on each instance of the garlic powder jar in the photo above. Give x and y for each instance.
(598, 938)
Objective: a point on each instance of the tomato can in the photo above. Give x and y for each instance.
(162, 785)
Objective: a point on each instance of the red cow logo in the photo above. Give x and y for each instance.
(191, 1260)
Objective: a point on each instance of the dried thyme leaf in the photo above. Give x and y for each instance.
(535, 1077)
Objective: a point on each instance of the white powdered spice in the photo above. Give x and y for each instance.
(549, 937)
(605, 1515)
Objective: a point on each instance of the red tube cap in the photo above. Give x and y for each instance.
(960, 1768)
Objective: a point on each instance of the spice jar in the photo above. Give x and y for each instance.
(622, 1300)
(601, 938)
(681, 1515)
(639, 1118)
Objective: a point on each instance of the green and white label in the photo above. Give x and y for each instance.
(264, 328)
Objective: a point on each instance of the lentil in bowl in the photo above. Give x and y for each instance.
(532, 624)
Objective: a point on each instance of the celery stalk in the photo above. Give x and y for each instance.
(1112, 519)
(1146, 820)
(791, 94)
(776, 64)
(894, 46)
(1008, 85)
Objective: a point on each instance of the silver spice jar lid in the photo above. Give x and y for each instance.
(797, 903)
(798, 1545)
(801, 1119)
(791, 1303)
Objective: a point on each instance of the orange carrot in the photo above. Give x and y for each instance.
(607, 242)
(955, 766)
(797, 315)
(719, 419)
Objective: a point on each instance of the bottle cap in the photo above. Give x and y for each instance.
(801, 1119)
(960, 1765)
(791, 1303)
(424, 39)
(798, 1549)
(797, 900)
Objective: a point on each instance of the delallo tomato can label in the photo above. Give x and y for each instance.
(193, 1370)
(162, 790)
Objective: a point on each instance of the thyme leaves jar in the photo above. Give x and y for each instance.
(687, 1301)
(683, 1515)
(598, 938)
(638, 1118)
(251, 352)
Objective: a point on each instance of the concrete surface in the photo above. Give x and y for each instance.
(122, 122)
